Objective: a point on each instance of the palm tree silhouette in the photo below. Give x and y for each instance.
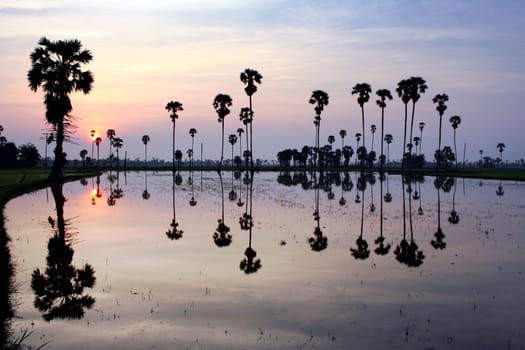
(145, 140)
(110, 133)
(319, 99)
(118, 143)
(98, 140)
(501, 146)
(318, 242)
(455, 120)
(421, 127)
(439, 241)
(331, 140)
(192, 133)
(249, 77)
(56, 68)
(403, 91)
(441, 107)
(361, 252)
(59, 290)
(381, 249)
(232, 139)
(178, 158)
(250, 263)
(363, 91)
(373, 129)
(173, 107)
(83, 155)
(417, 142)
(221, 104)
(388, 139)
(418, 86)
(383, 94)
(342, 134)
(240, 131)
(454, 217)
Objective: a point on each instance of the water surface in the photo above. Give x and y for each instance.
(286, 261)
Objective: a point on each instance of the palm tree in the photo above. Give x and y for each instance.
(98, 140)
(233, 140)
(83, 155)
(403, 91)
(240, 131)
(192, 133)
(56, 68)
(417, 143)
(221, 104)
(342, 134)
(418, 86)
(117, 143)
(363, 91)
(249, 77)
(373, 129)
(110, 133)
(383, 94)
(501, 147)
(178, 157)
(319, 98)
(421, 127)
(331, 140)
(441, 107)
(145, 140)
(173, 107)
(455, 120)
(388, 139)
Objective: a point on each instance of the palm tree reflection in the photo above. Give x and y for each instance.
(361, 252)
(59, 289)
(146, 195)
(382, 248)
(408, 253)
(499, 191)
(318, 242)
(221, 236)
(115, 193)
(174, 232)
(439, 241)
(454, 217)
(250, 263)
(193, 201)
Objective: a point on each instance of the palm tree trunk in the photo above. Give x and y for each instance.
(173, 147)
(455, 149)
(363, 134)
(222, 146)
(404, 137)
(251, 134)
(56, 170)
(412, 126)
(439, 140)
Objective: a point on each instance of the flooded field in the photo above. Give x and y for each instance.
(278, 261)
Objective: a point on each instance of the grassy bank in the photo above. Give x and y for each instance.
(14, 182)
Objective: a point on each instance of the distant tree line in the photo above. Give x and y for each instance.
(12, 156)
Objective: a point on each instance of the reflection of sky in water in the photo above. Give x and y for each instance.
(152, 292)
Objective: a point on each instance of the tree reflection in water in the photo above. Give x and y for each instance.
(145, 194)
(221, 236)
(6, 289)
(174, 232)
(382, 248)
(193, 201)
(250, 263)
(114, 193)
(361, 252)
(318, 242)
(59, 289)
(408, 253)
(454, 216)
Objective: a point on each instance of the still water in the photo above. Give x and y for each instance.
(277, 261)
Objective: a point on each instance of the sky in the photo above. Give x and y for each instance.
(149, 53)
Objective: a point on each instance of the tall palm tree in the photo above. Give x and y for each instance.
(110, 133)
(403, 91)
(501, 147)
(417, 143)
(57, 69)
(441, 107)
(192, 133)
(373, 129)
(388, 139)
(455, 120)
(383, 94)
(421, 127)
(319, 99)
(418, 86)
(221, 104)
(118, 143)
(98, 140)
(240, 131)
(342, 134)
(232, 139)
(249, 77)
(363, 91)
(145, 140)
(173, 107)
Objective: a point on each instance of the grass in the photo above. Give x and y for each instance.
(14, 182)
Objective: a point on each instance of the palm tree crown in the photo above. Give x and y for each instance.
(249, 77)
(221, 104)
(174, 107)
(319, 98)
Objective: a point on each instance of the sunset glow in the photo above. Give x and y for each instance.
(148, 54)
